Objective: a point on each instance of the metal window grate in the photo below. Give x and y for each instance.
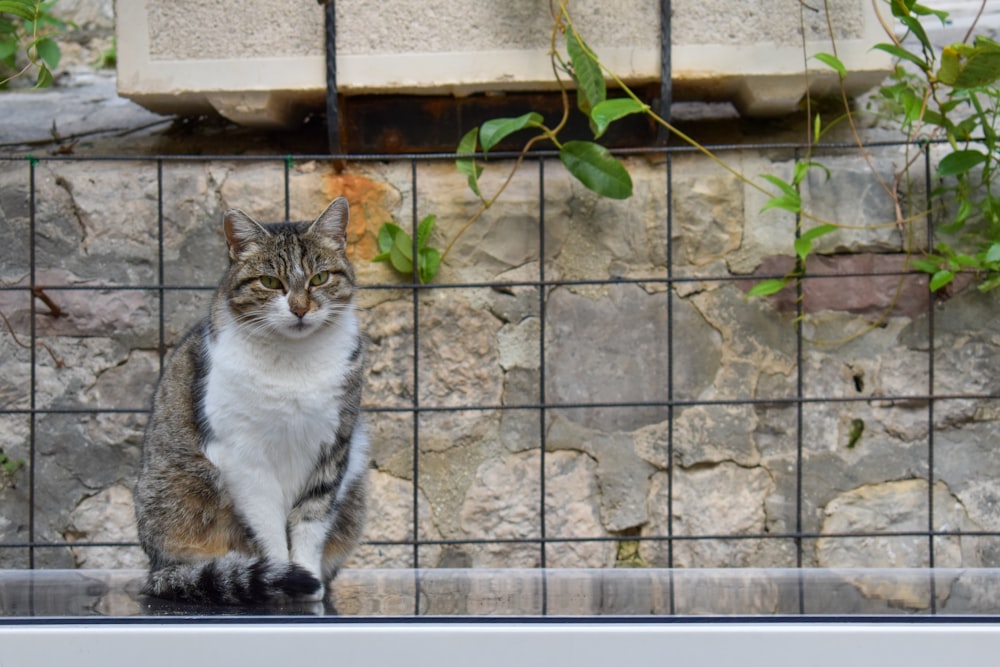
(545, 407)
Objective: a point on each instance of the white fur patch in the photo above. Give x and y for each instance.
(272, 403)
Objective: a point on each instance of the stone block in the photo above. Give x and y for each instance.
(504, 501)
(108, 516)
(894, 506)
(611, 349)
(720, 499)
(390, 518)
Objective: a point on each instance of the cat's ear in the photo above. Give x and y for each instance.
(332, 222)
(241, 230)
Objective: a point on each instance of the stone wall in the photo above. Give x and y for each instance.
(723, 460)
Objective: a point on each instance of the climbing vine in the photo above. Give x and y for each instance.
(948, 97)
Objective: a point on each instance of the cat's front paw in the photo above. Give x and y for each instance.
(312, 588)
(301, 584)
(315, 596)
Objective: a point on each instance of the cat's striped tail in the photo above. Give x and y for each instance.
(231, 579)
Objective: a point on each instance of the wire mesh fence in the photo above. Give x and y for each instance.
(826, 451)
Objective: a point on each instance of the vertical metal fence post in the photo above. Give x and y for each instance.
(542, 411)
(286, 173)
(160, 271)
(666, 72)
(33, 356)
(799, 394)
(415, 291)
(930, 389)
(332, 107)
(670, 376)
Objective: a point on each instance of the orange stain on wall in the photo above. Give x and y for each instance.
(372, 203)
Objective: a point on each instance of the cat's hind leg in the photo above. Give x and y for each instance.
(348, 527)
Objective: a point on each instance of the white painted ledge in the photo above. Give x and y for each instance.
(265, 64)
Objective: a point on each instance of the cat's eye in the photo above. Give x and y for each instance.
(320, 278)
(270, 282)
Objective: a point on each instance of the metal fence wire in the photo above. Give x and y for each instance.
(33, 421)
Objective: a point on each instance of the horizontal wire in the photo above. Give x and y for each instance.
(582, 405)
(500, 284)
(482, 541)
(439, 156)
(494, 155)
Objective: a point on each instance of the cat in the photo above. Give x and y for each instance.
(254, 464)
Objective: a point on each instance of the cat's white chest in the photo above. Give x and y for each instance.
(271, 405)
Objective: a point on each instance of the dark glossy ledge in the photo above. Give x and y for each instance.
(635, 595)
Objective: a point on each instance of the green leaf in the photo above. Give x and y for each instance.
(901, 7)
(803, 244)
(609, 111)
(789, 200)
(428, 262)
(964, 261)
(802, 248)
(48, 51)
(424, 231)
(387, 235)
(783, 202)
(494, 131)
(833, 62)
(951, 66)
(960, 162)
(401, 253)
(926, 265)
(816, 232)
(965, 210)
(921, 10)
(963, 131)
(19, 8)
(767, 287)
(8, 47)
(993, 254)
(595, 167)
(780, 183)
(467, 165)
(903, 54)
(917, 30)
(989, 284)
(913, 107)
(591, 89)
(940, 279)
(802, 168)
(982, 66)
(44, 77)
(404, 244)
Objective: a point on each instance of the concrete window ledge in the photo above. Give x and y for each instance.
(522, 617)
(264, 65)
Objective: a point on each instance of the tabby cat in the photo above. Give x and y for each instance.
(255, 459)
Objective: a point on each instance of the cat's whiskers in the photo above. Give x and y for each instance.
(335, 310)
(256, 325)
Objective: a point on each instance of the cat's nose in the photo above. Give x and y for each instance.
(298, 306)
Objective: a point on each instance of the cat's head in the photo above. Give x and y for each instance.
(287, 279)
